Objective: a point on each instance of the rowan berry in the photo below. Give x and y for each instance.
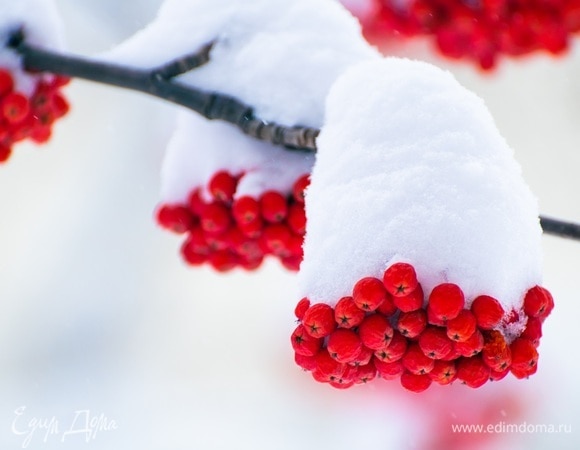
(400, 279)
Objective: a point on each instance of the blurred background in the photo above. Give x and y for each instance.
(101, 320)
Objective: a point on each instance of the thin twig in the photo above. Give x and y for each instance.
(160, 83)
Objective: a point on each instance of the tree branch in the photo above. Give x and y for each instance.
(213, 106)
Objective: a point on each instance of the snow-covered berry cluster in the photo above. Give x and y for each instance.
(29, 116)
(229, 232)
(481, 30)
(389, 329)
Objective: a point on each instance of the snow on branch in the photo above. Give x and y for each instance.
(160, 82)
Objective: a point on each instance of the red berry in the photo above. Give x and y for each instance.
(446, 301)
(432, 319)
(415, 383)
(175, 218)
(444, 372)
(6, 82)
(319, 320)
(395, 350)
(245, 210)
(60, 106)
(273, 206)
(487, 311)
(496, 376)
(524, 358)
(387, 307)
(344, 345)
(411, 324)
(291, 262)
(461, 327)
(328, 367)
(252, 230)
(5, 152)
(473, 371)
(299, 188)
(375, 332)
(434, 342)
(400, 279)
(15, 107)
(304, 344)
(415, 361)
(222, 260)
(301, 308)
(363, 358)
(368, 293)
(411, 302)
(538, 302)
(215, 219)
(222, 186)
(496, 353)
(533, 331)
(297, 219)
(275, 239)
(471, 346)
(190, 256)
(195, 202)
(347, 314)
(366, 373)
(306, 362)
(388, 370)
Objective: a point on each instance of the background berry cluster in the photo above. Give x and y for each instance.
(228, 233)
(482, 30)
(389, 328)
(32, 117)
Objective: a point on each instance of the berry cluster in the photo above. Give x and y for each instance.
(388, 328)
(228, 233)
(482, 30)
(31, 117)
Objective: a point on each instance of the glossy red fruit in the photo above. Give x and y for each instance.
(5, 152)
(368, 293)
(487, 311)
(275, 239)
(301, 308)
(444, 372)
(434, 342)
(344, 345)
(446, 301)
(415, 360)
(533, 331)
(297, 219)
(471, 346)
(175, 218)
(400, 279)
(328, 367)
(366, 373)
(299, 188)
(319, 320)
(394, 350)
(273, 206)
(461, 327)
(15, 107)
(363, 358)
(6, 82)
(347, 314)
(375, 332)
(304, 344)
(222, 186)
(387, 307)
(246, 210)
(496, 352)
(410, 302)
(388, 370)
(415, 383)
(473, 371)
(307, 363)
(411, 324)
(538, 302)
(215, 219)
(524, 358)
(222, 260)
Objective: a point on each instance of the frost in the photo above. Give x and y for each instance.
(42, 26)
(411, 167)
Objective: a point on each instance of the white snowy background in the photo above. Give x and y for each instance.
(98, 313)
